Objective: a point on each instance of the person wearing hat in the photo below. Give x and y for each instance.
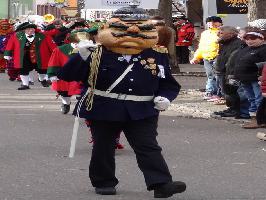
(247, 70)
(130, 83)
(208, 51)
(30, 50)
(259, 23)
(60, 38)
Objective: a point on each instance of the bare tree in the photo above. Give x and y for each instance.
(257, 9)
(165, 11)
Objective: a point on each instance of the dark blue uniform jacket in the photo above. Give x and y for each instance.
(149, 76)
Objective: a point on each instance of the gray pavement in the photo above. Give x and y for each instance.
(217, 159)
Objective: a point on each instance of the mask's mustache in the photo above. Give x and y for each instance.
(133, 35)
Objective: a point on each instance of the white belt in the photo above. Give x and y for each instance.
(125, 97)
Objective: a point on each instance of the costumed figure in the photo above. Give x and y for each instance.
(129, 84)
(61, 38)
(59, 57)
(6, 30)
(30, 50)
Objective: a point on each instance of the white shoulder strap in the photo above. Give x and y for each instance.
(120, 78)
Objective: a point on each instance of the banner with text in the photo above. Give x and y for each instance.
(114, 4)
(232, 6)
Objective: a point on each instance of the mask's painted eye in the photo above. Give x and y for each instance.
(146, 27)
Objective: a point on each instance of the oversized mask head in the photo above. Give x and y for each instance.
(5, 27)
(129, 31)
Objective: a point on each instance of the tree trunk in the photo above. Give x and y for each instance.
(257, 9)
(165, 10)
(195, 11)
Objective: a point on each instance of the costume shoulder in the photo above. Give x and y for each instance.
(76, 69)
(160, 49)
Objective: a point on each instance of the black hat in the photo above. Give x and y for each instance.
(76, 24)
(131, 13)
(24, 26)
(214, 19)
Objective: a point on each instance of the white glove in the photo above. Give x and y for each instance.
(161, 103)
(53, 78)
(85, 47)
(7, 57)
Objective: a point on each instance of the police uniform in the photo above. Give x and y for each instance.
(125, 109)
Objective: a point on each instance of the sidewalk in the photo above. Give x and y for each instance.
(190, 103)
(191, 70)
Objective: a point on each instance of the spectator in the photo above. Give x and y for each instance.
(247, 71)
(184, 37)
(228, 44)
(208, 51)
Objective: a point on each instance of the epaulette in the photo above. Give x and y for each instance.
(160, 49)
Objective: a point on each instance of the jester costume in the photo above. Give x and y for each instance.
(59, 57)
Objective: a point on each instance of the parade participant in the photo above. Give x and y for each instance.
(6, 30)
(130, 83)
(30, 50)
(60, 38)
(184, 37)
(58, 59)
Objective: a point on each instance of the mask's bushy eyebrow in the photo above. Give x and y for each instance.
(118, 25)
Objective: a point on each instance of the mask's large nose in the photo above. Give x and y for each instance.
(133, 29)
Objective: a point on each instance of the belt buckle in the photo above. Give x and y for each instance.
(121, 96)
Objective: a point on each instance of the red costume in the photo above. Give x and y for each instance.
(42, 49)
(58, 59)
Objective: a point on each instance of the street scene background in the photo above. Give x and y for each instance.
(217, 159)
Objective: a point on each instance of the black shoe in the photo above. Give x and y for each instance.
(229, 114)
(65, 108)
(12, 79)
(31, 83)
(242, 117)
(223, 111)
(23, 87)
(45, 83)
(105, 190)
(168, 189)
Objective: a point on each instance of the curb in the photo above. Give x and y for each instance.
(197, 74)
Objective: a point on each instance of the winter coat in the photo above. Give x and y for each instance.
(226, 49)
(230, 65)
(246, 69)
(185, 34)
(44, 47)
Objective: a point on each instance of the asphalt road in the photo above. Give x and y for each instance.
(218, 160)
